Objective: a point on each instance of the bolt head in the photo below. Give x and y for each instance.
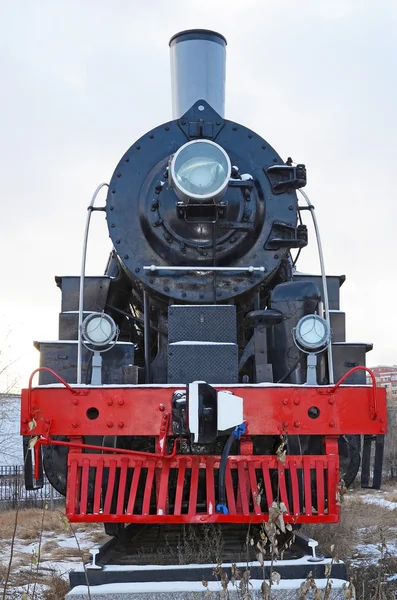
(331, 401)
(121, 402)
(297, 424)
(331, 424)
(285, 401)
(75, 424)
(383, 430)
(109, 423)
(120, 424)
(75, 401)
(297, 402)
(109, 402)
(162, 407)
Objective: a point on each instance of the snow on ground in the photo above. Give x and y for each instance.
(59, 554)
(191, 586)
(379, 500)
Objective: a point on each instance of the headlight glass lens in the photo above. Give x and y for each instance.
(312, 333)
(99, 329)
(201, 170)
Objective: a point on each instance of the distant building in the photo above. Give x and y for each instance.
(386, 377)
(10, 440)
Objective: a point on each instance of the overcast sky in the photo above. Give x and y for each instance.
(82, 80)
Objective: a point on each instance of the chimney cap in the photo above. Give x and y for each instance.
(198, 34)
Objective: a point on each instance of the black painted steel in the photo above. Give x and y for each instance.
(146, 230)
(62, 358)
(211, 323)
(198, 34)
(294, 299)
(229, 540)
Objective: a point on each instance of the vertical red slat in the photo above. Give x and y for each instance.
(254, 487)
(122, 482)
(179, 487)
(320, 486)
(72, 488)
(242, 486)
(267, 484)
(84, 486)
(98, 486)
(210, 485)
(148, 487)
(282, 486)
(332, 454)
(194, 486)
(231, 501)
(307, 485)
(110, 486)
(163, 489)
(134, 487)
(295, 487)
(333, 481)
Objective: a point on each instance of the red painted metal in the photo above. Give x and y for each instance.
(268, 410)
(118, 485)
(119, 477)
(374, 403)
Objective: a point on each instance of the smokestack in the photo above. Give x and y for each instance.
(198, 70)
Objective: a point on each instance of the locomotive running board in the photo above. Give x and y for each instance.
(121, 488)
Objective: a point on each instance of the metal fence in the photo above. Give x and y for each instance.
(13, 491)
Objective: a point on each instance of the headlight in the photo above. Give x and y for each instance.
(99, 329)
(200, 170)
(312, 333)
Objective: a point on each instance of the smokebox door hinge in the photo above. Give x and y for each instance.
(201, 121)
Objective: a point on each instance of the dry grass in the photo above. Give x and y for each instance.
(57, 588)
(29, 524)
(358, 520)
(68, 554)
(25, 571)
(391, 497)
(49, 546)
(389, 485)
(363, 523)
(97, 537)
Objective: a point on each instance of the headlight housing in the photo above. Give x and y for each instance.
(99, 329)
(312, 334)
(200, 171)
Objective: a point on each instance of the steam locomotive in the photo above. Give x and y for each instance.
(203, 378)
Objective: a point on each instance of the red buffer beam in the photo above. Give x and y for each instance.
(268, 410)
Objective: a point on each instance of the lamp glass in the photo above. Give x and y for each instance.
(99, 329)
(201, 169)
(312, 332)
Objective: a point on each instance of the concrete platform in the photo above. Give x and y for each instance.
(182, 590)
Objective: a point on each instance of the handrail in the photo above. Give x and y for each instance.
(60, 379)
(90, 209)
(374, 404)
(324, 282)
